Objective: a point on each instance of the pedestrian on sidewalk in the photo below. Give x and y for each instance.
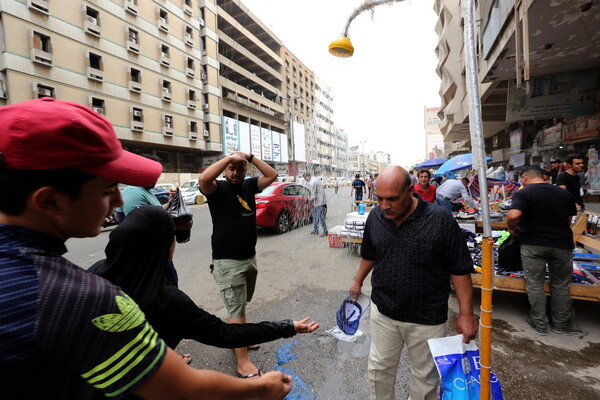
(540, 216)
(415, 250)
(317, 194)
(233, 212)
(73, 333)
(570, 180)
(423, 188)
(359, 187)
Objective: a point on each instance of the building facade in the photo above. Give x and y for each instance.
(434, 140)
(539, 72)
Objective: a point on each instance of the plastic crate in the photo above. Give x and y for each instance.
(334, 241)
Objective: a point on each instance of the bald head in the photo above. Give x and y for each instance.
(394, 176)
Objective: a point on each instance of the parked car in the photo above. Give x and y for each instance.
(283, 205)
(190, 195)
(166, 186)
(189, 184)
(161, 195)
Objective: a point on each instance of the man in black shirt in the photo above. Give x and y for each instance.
(540, 213)
(570, 180)
(556, 169)
(359, 188)
(233, 211)
(415, 249)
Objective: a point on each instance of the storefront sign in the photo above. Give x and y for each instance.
(550, 135)
(267, 152)
(581, 127)
(231, 140)
(518, 160)
(515, 140)
(498, 155)
(567, 94)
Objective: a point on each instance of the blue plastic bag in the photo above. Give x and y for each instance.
(459, 368)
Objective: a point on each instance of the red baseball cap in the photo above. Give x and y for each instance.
(51, 134)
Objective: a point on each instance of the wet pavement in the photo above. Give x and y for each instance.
(300, 275)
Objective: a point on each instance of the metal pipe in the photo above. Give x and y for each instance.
(479, 161)
(367, 5)
(485, 320)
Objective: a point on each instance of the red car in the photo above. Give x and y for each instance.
(283, 205)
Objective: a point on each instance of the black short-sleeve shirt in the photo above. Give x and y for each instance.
(573, 185)
(546, 210)
(233, 212)
(413, 263)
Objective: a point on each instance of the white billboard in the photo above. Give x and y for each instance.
(284, 148)
(267, 153)
(255, 139)
(299, 153)
(231, 140)
(276, 146)
(244, 131)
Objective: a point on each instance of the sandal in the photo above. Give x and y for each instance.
(186, 358)
(253, 347)
(257, 375)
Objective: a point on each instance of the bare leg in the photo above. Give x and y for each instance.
(244, 365)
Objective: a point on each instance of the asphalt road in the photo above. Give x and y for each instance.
(300, 275)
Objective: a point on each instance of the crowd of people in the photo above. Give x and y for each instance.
(110, 331)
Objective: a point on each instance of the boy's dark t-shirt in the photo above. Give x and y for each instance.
(546, 215)
(358, 184)
(233, 212)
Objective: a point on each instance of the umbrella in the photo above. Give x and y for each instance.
(434, 162)
(461, 161)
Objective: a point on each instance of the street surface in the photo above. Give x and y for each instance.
(299, 275)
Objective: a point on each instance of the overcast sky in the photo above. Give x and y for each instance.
(379, 93)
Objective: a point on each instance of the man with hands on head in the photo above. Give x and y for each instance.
(415, 250)
(233, 212)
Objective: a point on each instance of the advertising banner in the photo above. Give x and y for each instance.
(244, 132)
(231, 141)
(515, 140)
(581, 127)
(299, 153)
(566, 94)
(497, 155)
(275, 138)
(518, 160)
(255, 139)
(267, 153)
(593, 172)
(550, 135)
(284, 148)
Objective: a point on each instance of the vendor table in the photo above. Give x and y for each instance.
(496, 226)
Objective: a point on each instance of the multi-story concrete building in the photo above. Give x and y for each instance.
(434, 140)
(538, 69)
(187, 80)
(322, 148)
(298, 99)
(150, 69)
(340, 160)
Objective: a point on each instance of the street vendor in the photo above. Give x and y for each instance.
(451, 190)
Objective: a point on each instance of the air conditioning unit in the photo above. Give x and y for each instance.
(187, 9)
(193, 135)
(44, 92)
(205, 107)
(91, 26)
(92, 20)
(137, 113)
(166, 96)
(95, 74)
(99, 110)
(164, 60)
(135, 86)
(131, 7)
(203, 76)
(190, 72)
(133, 46)
(39, 5)
(163, 25)
(205, 133)
(137, 126)
(167, 131)
(201, 22)
(189, 40)
(191, 104)
(41, 57)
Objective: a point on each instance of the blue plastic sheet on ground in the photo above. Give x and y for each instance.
(300, 390)
(459, 368)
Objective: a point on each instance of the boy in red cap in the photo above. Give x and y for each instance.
(69, 332)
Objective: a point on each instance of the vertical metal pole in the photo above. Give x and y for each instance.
(479, 160)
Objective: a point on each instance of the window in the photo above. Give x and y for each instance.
(98, 105)
(193, 131)
(189, 35)
(166, 90)
(95, 69)
(137, 119)
(41, 48)
(163, 20)
(190, 67)
(38, 5)
(133, 40)
(135, 75)
(91, 23)
(165, 53)
(168, 125)
(187, 7)
(40, 91)
(191, 98)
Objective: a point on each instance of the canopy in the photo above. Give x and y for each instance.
(461, 161)
(434, 162)
(505, 187)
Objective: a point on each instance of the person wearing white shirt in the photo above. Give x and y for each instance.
(453, 189)
(317, 193)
